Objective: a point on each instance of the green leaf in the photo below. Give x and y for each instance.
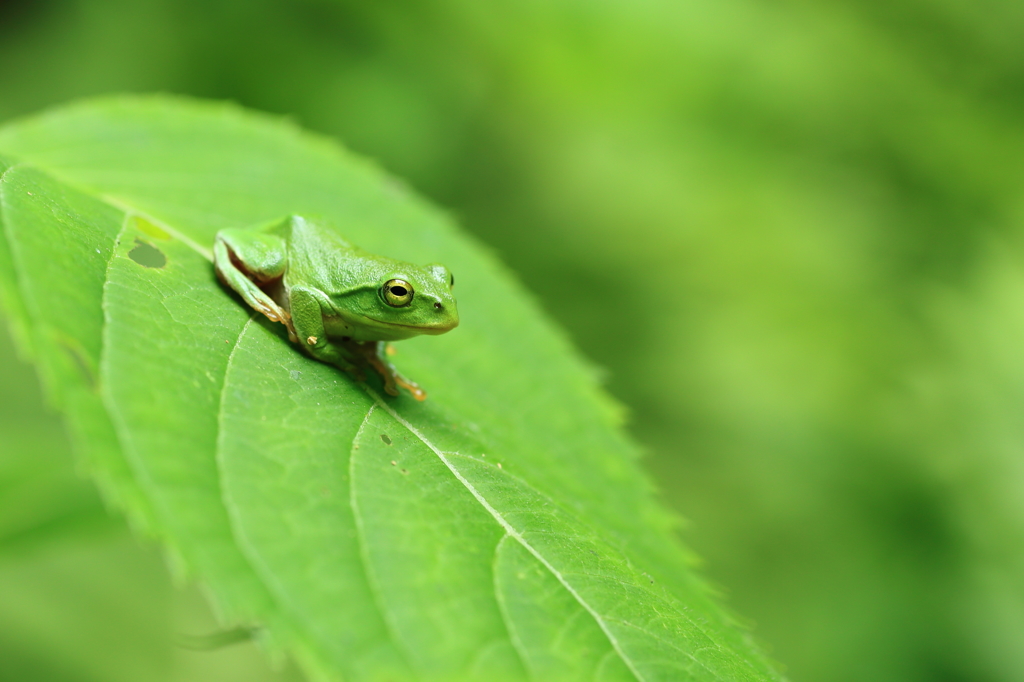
(500, 530)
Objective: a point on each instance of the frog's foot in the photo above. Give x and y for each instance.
(393, 380)
(289, 325)
(276, 313)
(371, 352)
(410, 386)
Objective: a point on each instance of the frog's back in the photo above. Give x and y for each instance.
(311, 239)
(326, 258)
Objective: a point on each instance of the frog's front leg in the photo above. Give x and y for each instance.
(308, 320)
(351, 356)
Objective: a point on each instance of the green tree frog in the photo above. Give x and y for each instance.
(340, 304)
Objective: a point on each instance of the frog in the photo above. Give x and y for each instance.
(340, 304)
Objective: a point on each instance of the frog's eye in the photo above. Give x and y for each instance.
(397, 293)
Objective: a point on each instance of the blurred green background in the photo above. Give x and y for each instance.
(792, 233)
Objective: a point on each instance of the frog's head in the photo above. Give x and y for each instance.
(410, 300)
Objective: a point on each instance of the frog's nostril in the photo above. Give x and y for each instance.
(438, 305)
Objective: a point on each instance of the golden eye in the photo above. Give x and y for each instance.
(397, 293)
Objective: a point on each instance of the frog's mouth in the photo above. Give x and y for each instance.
(428, 329)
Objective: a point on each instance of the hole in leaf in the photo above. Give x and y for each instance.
(146, 255)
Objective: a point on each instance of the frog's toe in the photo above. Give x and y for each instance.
(411, 386)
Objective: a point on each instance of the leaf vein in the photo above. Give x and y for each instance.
(499, 596)
(599, 668)
(154, 508)
(250, 555)
(9, 169)
(364, 551)
(128, 208)
(5, 230)
(503, 522)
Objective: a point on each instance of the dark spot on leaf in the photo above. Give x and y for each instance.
(404, 471)
(147, 255)
(386, 438)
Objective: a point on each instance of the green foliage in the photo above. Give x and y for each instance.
(831, 392)
(500, 530)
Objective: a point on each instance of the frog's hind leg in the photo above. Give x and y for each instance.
(235, 275)
(373, 352)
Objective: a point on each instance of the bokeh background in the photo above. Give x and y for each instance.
(791, 232)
